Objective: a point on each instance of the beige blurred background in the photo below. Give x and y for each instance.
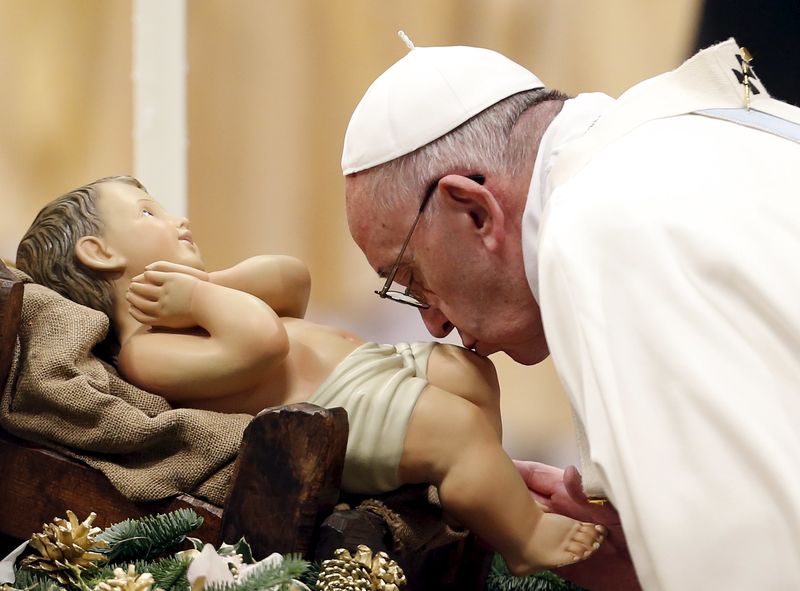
(270, 87)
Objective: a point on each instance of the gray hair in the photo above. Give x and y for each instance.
(479, 145)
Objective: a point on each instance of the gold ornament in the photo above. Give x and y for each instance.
(127, 581)
(364, 571)
(65, 549)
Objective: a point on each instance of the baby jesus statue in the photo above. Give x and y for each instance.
(235, 341)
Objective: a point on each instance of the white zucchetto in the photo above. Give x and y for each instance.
(424, 95)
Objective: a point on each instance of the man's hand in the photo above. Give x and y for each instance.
(561, 491)
(160, 298)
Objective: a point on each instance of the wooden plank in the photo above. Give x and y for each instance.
(38, 485)
(347, 529)
(10, 311)
(287, 478)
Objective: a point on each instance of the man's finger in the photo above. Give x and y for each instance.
(538, 477)
(573, 483)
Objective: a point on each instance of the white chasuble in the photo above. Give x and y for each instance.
(667, 267)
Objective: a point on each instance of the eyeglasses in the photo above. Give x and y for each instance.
(405, 297)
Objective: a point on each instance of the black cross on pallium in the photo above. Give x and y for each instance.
(745, 77)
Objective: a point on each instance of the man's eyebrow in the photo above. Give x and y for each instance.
(382, 273)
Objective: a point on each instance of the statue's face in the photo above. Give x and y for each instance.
(142, 232)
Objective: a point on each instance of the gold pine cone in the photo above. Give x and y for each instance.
(127, 581)
(364, 571)
(65, 548)
(343, 575)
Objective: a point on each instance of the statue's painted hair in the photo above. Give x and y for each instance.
(47, 250)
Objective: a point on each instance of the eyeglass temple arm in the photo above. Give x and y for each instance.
(393, 271)
(478, 178)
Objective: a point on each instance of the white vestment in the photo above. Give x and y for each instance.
(664, 250)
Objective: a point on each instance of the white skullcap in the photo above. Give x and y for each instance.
(430, 91)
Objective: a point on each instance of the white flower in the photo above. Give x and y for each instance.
(7, 564)
(208, 568)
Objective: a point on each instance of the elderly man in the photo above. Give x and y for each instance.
(650, 244)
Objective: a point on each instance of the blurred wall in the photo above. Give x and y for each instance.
(65, 103)
(271, 85)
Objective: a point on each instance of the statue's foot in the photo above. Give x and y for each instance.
(557, 541)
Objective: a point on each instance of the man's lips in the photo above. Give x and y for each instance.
(482, 349)
(475, 345)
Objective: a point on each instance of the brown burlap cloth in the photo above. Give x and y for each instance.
(60, 395)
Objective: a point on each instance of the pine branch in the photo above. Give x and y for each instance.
(170, 573)
(501, 579)
(267, 576)
(29, 580)
(100, 574)
(149, 536)
(310, 575)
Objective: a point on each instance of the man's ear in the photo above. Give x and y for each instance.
(93, 252)
(483, 211)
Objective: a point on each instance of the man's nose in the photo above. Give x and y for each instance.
(436, 322)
